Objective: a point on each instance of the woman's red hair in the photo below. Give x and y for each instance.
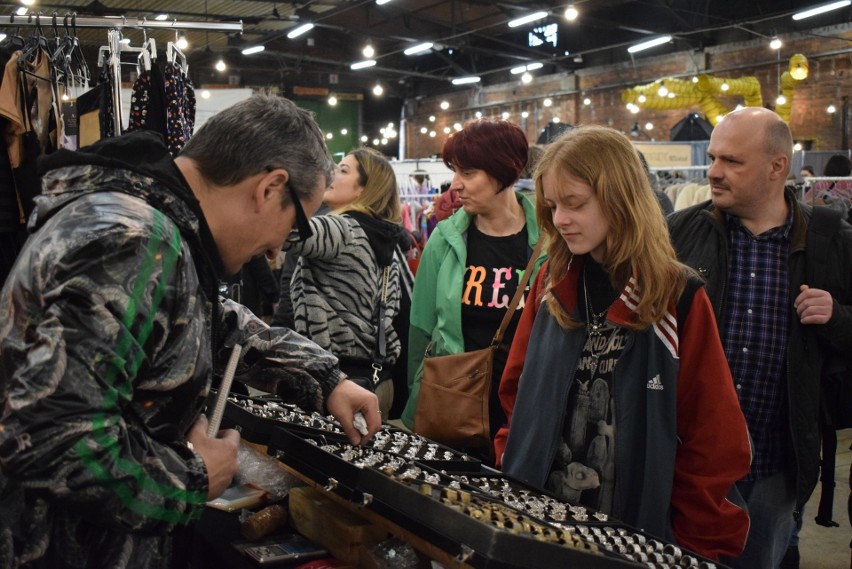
(498, 147)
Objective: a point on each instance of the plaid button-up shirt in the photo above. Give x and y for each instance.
(757, 327)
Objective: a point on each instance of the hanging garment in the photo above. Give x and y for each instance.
(148, 102)
(96, 112)
(180, 108)
(32, 114)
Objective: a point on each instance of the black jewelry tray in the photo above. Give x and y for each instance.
(422, 503)
(259, 429)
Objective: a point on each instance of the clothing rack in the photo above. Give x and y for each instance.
(115, 24)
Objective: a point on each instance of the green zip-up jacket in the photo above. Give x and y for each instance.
(436, 299)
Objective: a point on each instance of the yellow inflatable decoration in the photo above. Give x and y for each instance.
(670, 93)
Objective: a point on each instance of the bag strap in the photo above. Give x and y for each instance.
(519, 293)
(824, 224)
(380, 350)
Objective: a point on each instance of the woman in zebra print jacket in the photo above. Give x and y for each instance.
(338, 283)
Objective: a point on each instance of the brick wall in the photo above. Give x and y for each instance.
(830, 79)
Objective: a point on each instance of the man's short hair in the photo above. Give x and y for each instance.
(260, 134)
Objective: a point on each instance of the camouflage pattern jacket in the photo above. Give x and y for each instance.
(111, 330)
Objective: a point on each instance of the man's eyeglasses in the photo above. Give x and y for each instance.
(303, 226)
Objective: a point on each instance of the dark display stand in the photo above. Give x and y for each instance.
(475, 516)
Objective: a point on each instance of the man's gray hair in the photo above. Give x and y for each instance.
(260, 134)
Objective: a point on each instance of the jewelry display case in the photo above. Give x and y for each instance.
(475, 514)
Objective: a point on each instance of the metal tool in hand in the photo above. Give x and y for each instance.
(224, 389)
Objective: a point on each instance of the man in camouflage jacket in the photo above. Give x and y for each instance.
(111, 330)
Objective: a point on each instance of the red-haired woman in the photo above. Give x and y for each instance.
(473, 261)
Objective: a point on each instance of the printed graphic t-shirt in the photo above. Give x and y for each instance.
(583, 472)
(495, 266)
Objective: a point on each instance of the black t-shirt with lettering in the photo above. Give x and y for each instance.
(583, 471)
(495, 266)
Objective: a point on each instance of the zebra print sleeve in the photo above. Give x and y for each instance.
(331, 235)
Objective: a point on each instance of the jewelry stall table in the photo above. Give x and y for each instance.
(444, 503)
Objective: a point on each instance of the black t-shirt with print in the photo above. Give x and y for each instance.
(583, 471)
(494, 268)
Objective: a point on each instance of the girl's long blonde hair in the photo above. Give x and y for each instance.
(637, 243)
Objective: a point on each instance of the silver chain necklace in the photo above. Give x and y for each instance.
(595, 324)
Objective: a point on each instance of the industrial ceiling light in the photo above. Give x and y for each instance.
(362, 64)
(526, 78)
(571, 13)
(466, 80)
(368, 51)
(378, 90)
(775, 43)
(527, 19)
(831, 109)
(253, 49)
(445, 105)
(821, 9)
(296, 32)
(220, 65)
(651, 43)
(524, 68)
(332, 100)
(799, 67)
(161, 17)
(419, 48)
(380, 2)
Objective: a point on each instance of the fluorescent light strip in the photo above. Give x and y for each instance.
(296, 32)
(363, 64)
(380, 2)
(821, 9)
(650, 43)
(161, 17)
(527, 19)
(421, 47)
(466, 80)
(522, 68)
(253, 49)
